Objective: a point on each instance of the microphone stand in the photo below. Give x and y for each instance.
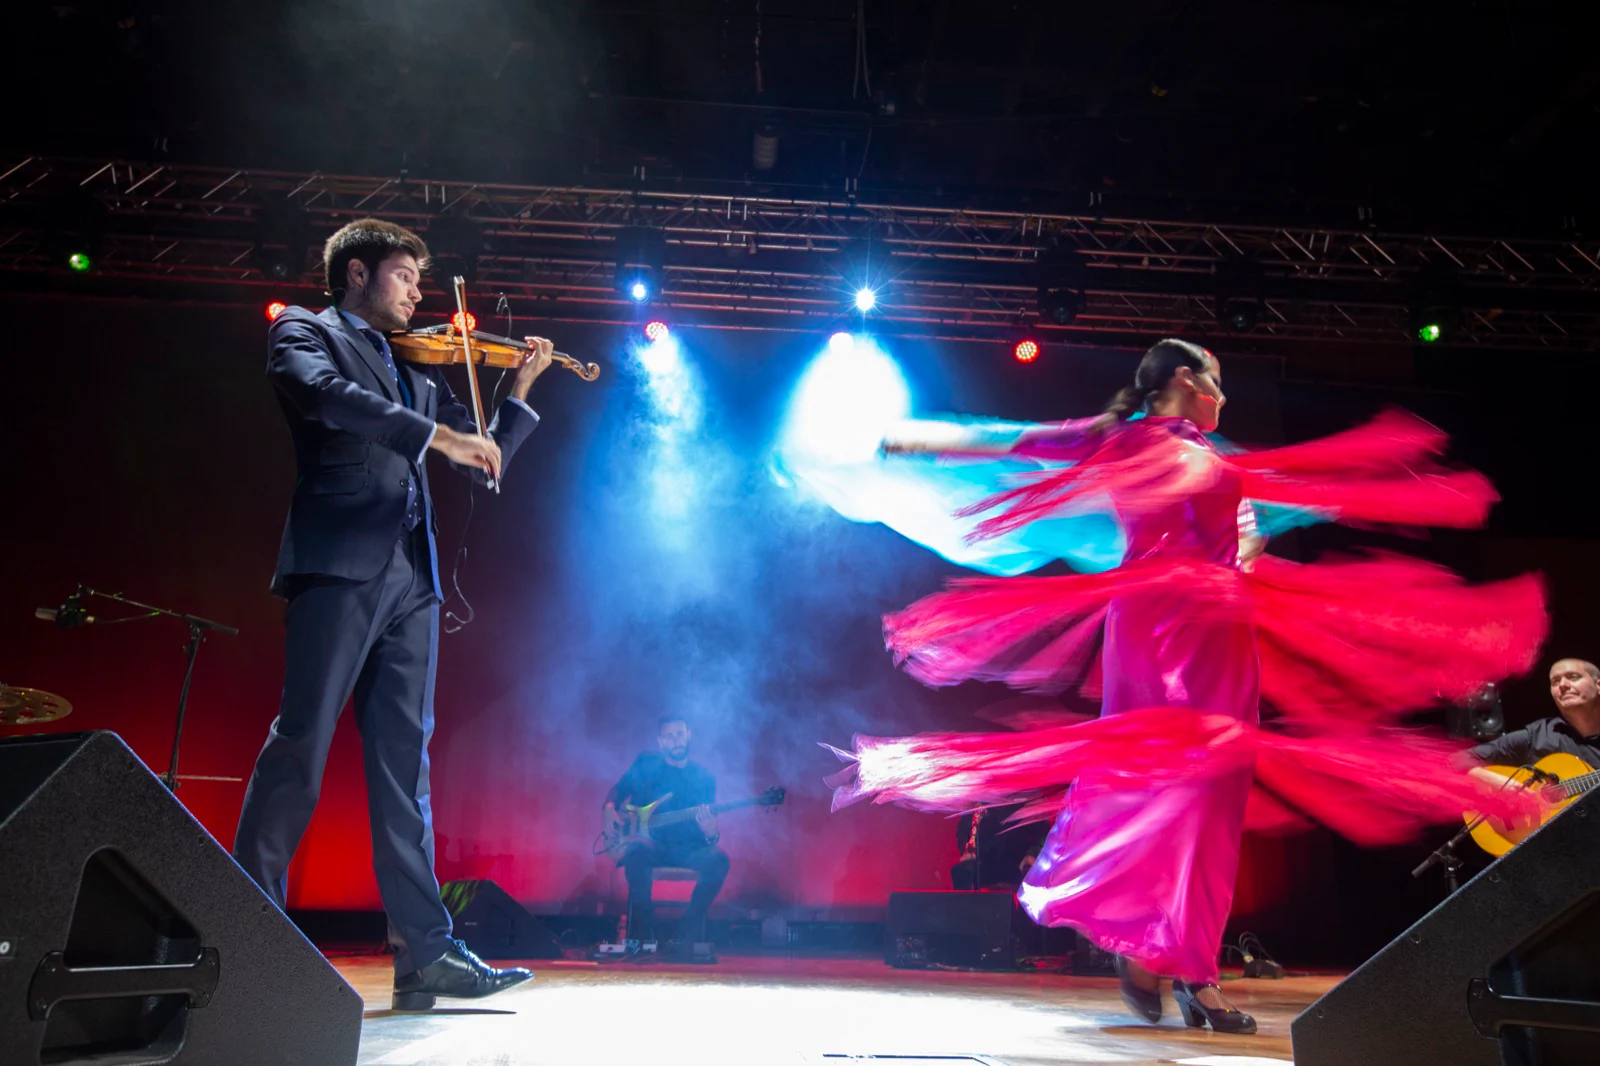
(1445, 855)
(198, 627)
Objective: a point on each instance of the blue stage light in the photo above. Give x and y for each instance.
(866, 299)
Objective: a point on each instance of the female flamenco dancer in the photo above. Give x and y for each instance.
(1183, 641)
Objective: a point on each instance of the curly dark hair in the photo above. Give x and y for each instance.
(1155, 370)
(371, 240)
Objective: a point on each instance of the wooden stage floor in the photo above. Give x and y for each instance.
(796, 1011)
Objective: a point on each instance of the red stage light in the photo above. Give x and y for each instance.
(655, 331)
(1026, 351)
(274, 309)
(472, 321)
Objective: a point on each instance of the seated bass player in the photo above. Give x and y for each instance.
(669, 775)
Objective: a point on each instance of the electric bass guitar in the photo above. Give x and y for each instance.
(637, 822)
(1558, 779)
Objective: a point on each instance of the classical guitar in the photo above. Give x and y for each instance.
(637, 822)
(1558, 779)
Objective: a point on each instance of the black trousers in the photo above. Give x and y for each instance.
(710, 864)
(377, 639)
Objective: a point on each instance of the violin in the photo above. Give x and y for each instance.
(441, 346)
(447, 346)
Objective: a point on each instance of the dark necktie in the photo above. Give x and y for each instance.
(381, 344)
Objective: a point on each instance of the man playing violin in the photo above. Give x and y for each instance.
(358, 567)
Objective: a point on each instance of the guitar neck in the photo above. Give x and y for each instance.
(687, 814)
(1577, 786)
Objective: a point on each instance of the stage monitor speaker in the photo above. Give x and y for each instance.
(128, 936)
(1506, 972)
(494, 925)
(969, 930)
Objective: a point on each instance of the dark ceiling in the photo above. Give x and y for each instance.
(1460, 115)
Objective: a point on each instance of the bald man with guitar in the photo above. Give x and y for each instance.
(1563, 751)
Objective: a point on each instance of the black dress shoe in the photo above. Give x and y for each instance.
(1197, 1015)
(459, 975)
(1141, 1001)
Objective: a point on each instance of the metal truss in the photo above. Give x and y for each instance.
(753, 260)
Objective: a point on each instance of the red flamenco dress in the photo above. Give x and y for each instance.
(1183, 643)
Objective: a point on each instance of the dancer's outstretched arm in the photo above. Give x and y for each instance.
(1054, 440)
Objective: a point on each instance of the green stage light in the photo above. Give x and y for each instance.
(1429, 332)
(80, 261)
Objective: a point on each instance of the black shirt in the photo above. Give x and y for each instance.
(1001, 846)
(651, 777)
(1521, 747)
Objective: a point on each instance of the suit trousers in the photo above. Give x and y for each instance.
(378, 640)
(710, 864)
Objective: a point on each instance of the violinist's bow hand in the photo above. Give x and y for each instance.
(468, 449)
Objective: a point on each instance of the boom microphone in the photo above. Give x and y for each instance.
(69, 615)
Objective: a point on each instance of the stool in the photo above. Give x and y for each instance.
(670, 874)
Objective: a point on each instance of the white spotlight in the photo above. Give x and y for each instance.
(849, 397)
(866, 299)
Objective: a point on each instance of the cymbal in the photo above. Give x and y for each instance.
(29, 706)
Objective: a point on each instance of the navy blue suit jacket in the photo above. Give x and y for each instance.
(355, 441)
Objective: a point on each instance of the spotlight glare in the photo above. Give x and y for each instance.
(1026, 351)
(655, 331)
(661, 360)
(845, 402)
(841, 342)
(866, 299)
(79, 261)
(274, 309)
(471, 320)
(639, 291)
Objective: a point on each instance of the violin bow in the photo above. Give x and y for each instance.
(461, 321)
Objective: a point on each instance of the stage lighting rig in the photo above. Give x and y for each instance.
(1238, 293)
(1060, 296)
(282, 233)
(455, 242)
(864, 272)
(641, 254)
(77, 231)
(764, 149)
(1239, 315)
(1435, 312)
